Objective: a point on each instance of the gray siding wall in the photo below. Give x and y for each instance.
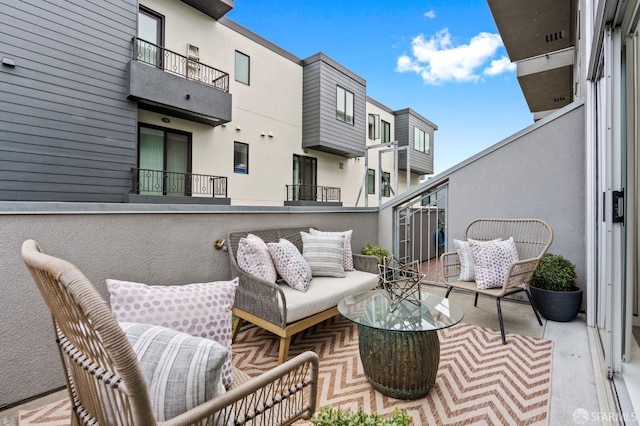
(419, 161)
(321, 129)
(155, 247)
(538, 172)
(67, 130)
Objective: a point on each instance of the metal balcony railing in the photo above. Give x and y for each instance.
(175, 63)
(162, 182)
(313, 193)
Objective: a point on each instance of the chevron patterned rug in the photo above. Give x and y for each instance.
(480, 380)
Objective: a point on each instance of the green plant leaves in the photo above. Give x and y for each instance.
(375, 250)
(330, 416)
(554, 272)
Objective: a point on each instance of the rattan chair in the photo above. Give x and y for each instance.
(104, 379)
(532, 238)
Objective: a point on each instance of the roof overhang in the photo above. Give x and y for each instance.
(539, 37)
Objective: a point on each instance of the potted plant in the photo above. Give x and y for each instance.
(553, 288)
(375, 250)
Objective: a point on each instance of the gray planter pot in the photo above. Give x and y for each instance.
(560, 306)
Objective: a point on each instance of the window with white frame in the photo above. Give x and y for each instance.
(344, 105)
(385, 190)
(371, 181)
(374, 126)
(420, 140)
(385, 131)
(242, 68)
(241, 158)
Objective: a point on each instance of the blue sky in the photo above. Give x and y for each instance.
(444, 59)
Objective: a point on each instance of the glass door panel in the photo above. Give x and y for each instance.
(151, 161)
(304, 178)
(178, 165)
(150, 33)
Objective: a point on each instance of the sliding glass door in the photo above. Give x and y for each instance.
(164, 159)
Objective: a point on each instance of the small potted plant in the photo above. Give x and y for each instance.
(553, 288)
(375, 250)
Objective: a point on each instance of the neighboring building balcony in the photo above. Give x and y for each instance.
(162, 186)
(169, 83)
(419, 162)
(313, 195)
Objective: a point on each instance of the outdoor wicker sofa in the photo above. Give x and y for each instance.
(108, 384)
(284, 311)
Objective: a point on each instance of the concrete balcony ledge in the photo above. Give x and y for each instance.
(174, 95)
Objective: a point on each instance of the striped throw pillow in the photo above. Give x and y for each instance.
(348, 252)
(324, 254)
(182, 371)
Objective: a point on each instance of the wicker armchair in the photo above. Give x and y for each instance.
(532, 238)
(105, 381)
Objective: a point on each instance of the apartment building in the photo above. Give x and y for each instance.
(168, 101)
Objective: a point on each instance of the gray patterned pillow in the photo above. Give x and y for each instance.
(290, 264)
(348, 252)
(467, 263)
(324, 254)
(181, 371)
(253, 256)
(493, 259)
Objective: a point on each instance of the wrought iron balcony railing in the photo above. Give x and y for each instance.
(175, 63)
(313, 193)
(162, 182)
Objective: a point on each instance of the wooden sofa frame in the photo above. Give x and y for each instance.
(263, 304)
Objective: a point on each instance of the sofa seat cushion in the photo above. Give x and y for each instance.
(325, 293)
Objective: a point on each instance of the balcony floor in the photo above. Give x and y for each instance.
(574, 382)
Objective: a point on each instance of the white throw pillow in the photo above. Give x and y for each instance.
(201, 310)
(348, 252)
(493, 259)
(253, 257)
(467, 262)
(324, 254)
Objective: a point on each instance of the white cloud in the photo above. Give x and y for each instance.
(499, 66)
(438, 60)
(430, 14)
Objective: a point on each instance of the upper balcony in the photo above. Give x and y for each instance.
(416, 133)
(313, 195)
(169, 83)
(540, 38)
(214, 8)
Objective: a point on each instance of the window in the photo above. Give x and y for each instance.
(386, 184)
(344, 105)
(420, 140)
(371, 181)
(374, 126)
(385, 132)
(240, 158)
(150, 36)
(242, 68)
(164, 159)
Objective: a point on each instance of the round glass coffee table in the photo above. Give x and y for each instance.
(399, 348)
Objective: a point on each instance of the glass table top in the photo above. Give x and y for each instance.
(373, 309)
